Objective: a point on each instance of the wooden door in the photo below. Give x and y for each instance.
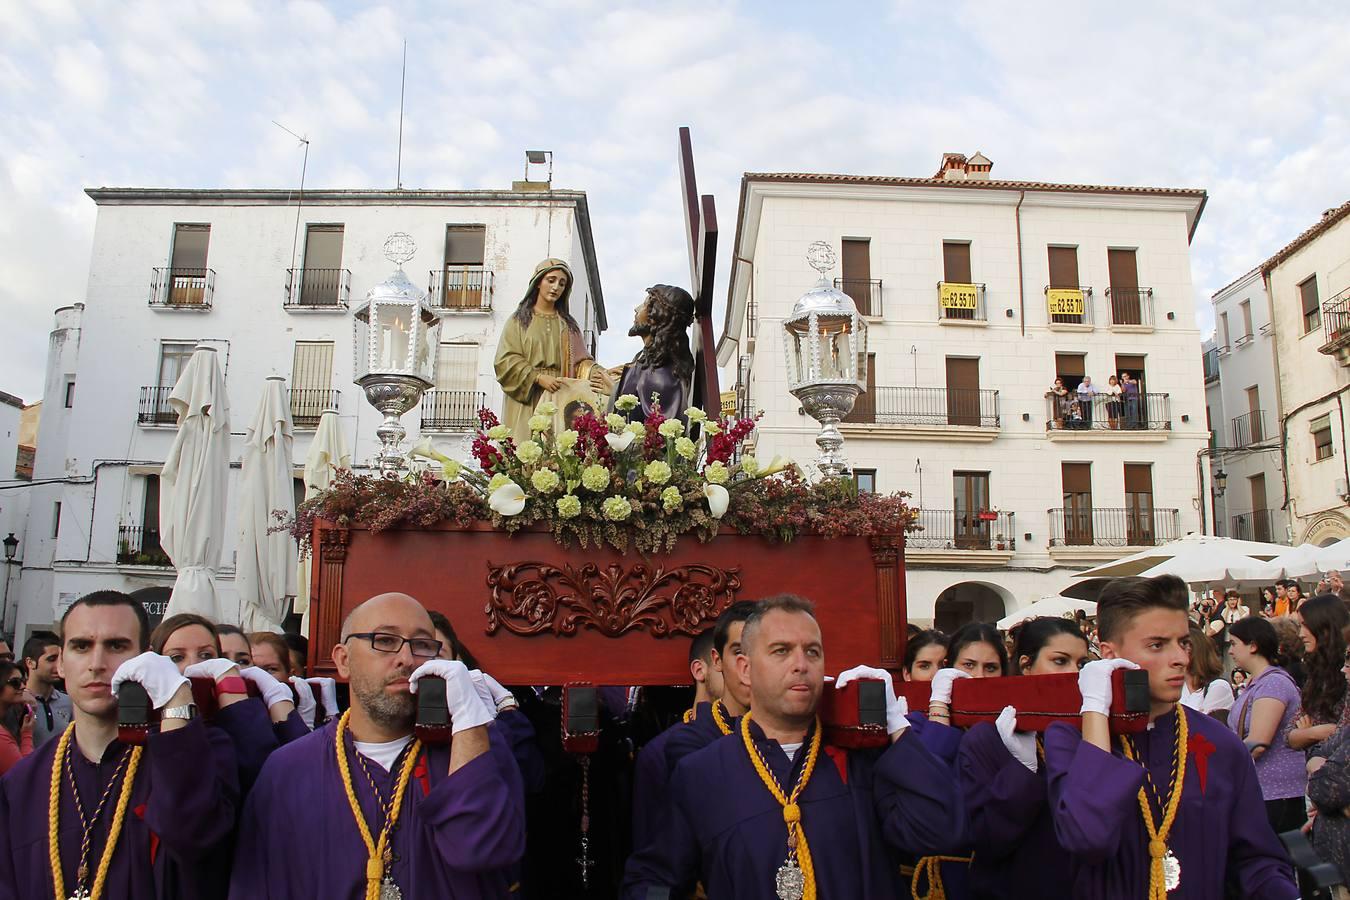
(963, 391)
(857, 278)
(1139, 530)
(1064, 274)
(1122, 268)
(1134, 364)
(187, 265)
(1255, 432)
(970, 497)
(956, 270)
(1260, 512)
(1077, 484)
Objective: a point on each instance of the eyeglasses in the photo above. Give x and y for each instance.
(16, 683)
(423, 648)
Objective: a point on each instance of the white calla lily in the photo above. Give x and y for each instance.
(507, 500)
(718, 498)
(619, 442)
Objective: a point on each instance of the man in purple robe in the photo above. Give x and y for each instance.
(744, 840)
(1219, 832)
(177, 806)
(360, 805)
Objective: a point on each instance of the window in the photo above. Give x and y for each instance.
(70, 395)
(1209, 423)
(857, 272)
(1254, 430)
(457, 367)
(1126, 298)
(187, 266)
(1321, 434)
(464, 245)
(311, 382)
(1312, 312)
(1246, 307)
(970, 498)
(1223, 328)
(963, 391)
(1064, 276)
(1139, 531)
(956, 270)
(173, 359)
(463, 279)
(866, 480)
(321, 277)
(1070, 368)
(56, 519)
(1076, 479)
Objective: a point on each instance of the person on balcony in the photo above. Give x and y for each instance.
(1060, 401)
(1129, 388)
(1113, 404)
(1086, 392)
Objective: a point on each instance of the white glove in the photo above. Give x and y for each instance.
(467, 709)
(272, 691)
(497, 695)
(328, 691)
(942, 685)
(157, 674)
(1094, 683)
(304, 697)
(484, 692)
(215, 669)
(896, 707)
(1021, 744)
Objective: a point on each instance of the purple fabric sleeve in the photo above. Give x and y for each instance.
(1092, 793)
(1002, 796)
(477, 823)
(9, 884)
(917, 800)
(289, 729)
(196, 789)
(250, 731)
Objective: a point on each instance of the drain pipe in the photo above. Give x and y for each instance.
(1021, 285)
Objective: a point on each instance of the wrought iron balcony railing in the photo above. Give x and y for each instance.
(961, 302)
(308, 404)
(1336, 327)
(1130, 307)
(1118, 527)
(461, 289)
(1250, 428)
(182, 288)
(138, 545)
(1102, 412)
(1211, 361)
(866, 294)
(451, 410)
(946, 529)
(1069, 306)
(318, 288)
(1258, 525)
(927, 406)
(154, 408)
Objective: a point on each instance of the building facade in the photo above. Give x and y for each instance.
(271, 285)
(979, 294)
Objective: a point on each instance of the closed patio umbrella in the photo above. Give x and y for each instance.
(265, 571)
(327, 453)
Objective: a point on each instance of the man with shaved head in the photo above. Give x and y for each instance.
(361, 808)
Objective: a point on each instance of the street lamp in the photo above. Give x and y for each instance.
(826, 344)
(11, 546)
(1220, 482)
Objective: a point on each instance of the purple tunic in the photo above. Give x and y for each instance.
(458, 835)
(1220, 829)
(651, 782)
(182, 810)
(1008, 814)
(518, 733)
(692, 736)
(1281, 770)
(725, 828)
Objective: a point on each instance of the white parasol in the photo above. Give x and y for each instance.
(1202, 564)
(265, 570)
(327, 453)
(1055, 607)
(1137, 563)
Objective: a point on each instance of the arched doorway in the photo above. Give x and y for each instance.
(969, 601)
(155, 600)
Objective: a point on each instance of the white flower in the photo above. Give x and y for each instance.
(671, 499)
(718, 498)
(507, 500)
(529, 453)
(670, 428)
(540, 423)
(711, 428)
(545, 481)
(616, 509)
(626, 403)
(615, 421)
(546, 408)
(637, 429)
(619, 442)
(717, 473)
(499, 432)
(685, 448)
(569, 506)
(694, 414)
(595, 477)
(749, 465)
(567, 440)
(657, 472)
(501, 479)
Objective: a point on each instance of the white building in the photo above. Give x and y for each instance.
(13, 500)
(270, 285)
(1309, 286)
(1243, 413)
(979, 293)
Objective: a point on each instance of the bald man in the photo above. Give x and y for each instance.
(361, 808)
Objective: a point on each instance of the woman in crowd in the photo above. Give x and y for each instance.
(1205, 689)
(1268, 601)
(1062, 402)
(1322, 622)
(1262, 716)
(13, 748)
(1291, 648)
(1329, 790)
(1294, 592)
(234, 645)
(977, 651)
(1003, 782)
(1113, 406)
(271, 654)
(925, 653)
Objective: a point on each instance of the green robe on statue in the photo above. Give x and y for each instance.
(549, 347)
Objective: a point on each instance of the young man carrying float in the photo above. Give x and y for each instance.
(767, 813)
(1168, 814)
(86, 817)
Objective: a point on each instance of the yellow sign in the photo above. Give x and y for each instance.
(728, 403)
(1064, 301)
(958, 296)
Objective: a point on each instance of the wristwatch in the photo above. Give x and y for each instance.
(187, 712)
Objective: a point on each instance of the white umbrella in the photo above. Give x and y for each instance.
(1335, 558)
(1298, 562)
(327, 453)
(1047, 606)
(1212, 564)
(265, 572)
(1137, 563)
(193, 485)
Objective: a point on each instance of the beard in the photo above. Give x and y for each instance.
(385, 709)
(640, 329)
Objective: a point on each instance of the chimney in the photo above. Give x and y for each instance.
(952, 168)
(978, 166)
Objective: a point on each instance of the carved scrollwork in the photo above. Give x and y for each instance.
(537, 598)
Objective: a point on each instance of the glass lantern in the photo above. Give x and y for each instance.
(825, 340)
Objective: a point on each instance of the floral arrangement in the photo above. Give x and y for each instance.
(609, 480)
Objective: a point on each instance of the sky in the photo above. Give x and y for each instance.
(1239, 98)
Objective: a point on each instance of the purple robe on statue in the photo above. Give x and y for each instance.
(1221, 828)
(458, 836)
(1008, 817)
(182, 810)
(723, 827)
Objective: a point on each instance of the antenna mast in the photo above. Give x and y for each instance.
(300, 197)
(402, 88)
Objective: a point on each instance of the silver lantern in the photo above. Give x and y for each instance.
(826, 344)
(396, 339)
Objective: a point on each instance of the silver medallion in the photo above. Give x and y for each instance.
(389, 890)
(1171, 872)
(80, 894)
(790, 883)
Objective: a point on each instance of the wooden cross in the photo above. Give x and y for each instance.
(700, 220)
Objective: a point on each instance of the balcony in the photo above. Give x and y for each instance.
(1250, 429)
(317, 289)
(1147, 417)
(307, 406)
(953, 414)
(957, 535)
(1124, 527)
(464, 289)
(451, 410)
(181, 288)
(1131, 309)
(1336, 326)
(138, 545)
(1265, 525)
(961, 304)
(154, 408)
(866, 294)
(1069, 309)
(1211, 363)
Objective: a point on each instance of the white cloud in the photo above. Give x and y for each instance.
(78, 68)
